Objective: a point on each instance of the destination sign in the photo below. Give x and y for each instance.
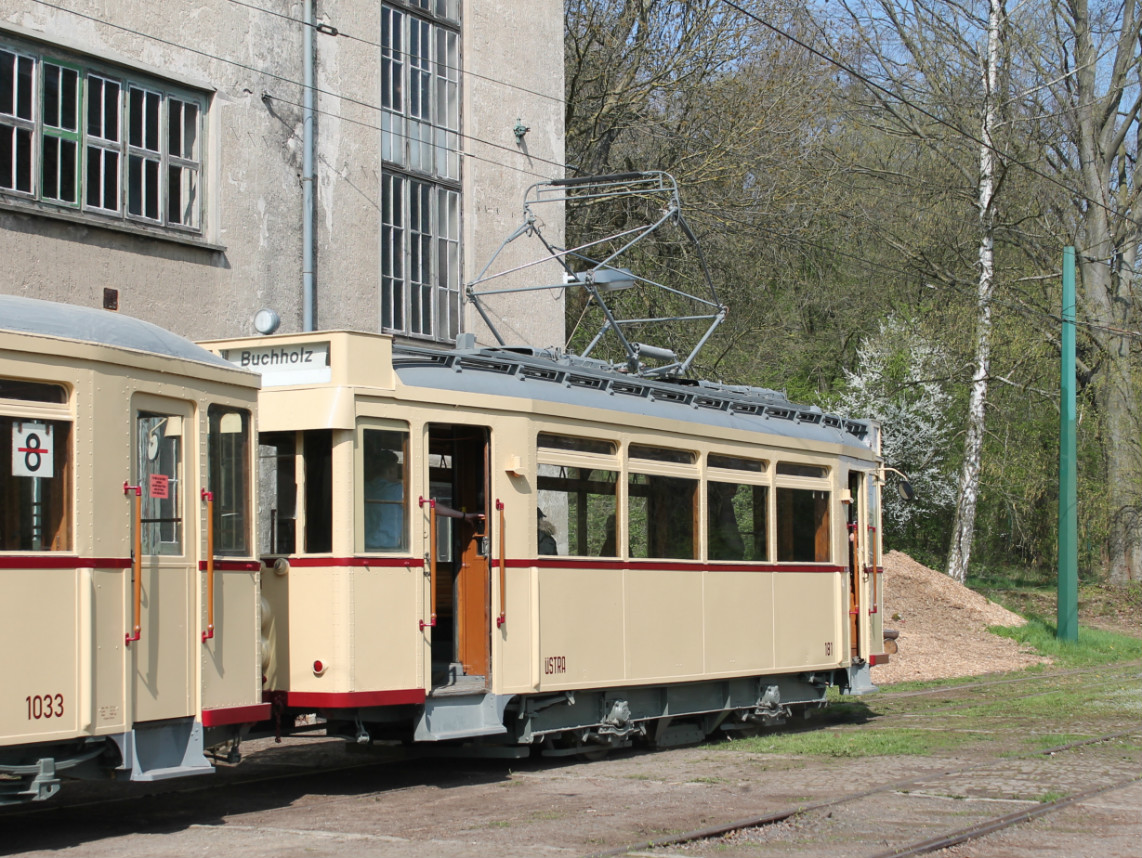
(296, 363)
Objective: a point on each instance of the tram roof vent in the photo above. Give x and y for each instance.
(712, 402)
(747, 408)
(629, 388)
(541, 373)
(672, 396)
(485, 364)
(576, 380)
(422, 358)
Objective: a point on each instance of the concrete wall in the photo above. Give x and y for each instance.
(249, 255)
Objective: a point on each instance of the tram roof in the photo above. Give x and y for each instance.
(568, 379)
(100, 327)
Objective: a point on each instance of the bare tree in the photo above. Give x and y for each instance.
(963, 527)
(1099, 51)
(921, 56)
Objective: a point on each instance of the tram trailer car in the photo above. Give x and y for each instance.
(512, 548)
(128, 578)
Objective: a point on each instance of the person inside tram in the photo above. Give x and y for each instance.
(546, 534)
(384, 503)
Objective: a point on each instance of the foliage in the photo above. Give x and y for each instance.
(900, 381)
(828, 208)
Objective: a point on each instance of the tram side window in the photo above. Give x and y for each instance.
(284, 479)
(736, 521)
(802, 525)
(35, 485)
(576, 508)
(229, 454)
(160, 451)
(662, 516)
(385, 480)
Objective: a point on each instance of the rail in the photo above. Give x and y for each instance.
(431, 623)
(875, 609)
(208, 498)
(502, 618)
(136, 564)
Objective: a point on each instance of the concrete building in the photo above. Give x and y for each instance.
(156, 157)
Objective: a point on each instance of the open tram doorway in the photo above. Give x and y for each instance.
(854, 562)
(458, 483)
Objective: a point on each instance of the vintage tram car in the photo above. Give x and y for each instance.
(128, 576)
(511, 548)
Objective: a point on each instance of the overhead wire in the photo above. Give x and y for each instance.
(872, 84)
(319, 90)
(962, 287)
(337, 32)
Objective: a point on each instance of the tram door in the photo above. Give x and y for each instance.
(162, 658)
(458, 479)
(854, 559)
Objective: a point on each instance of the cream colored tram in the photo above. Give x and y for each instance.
(128, 577)
(516, 548)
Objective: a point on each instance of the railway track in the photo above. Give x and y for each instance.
(406, 805)
(716, 834)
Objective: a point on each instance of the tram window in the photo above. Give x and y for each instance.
(736, 463)
(661, 454)
(802, 526)
(577, 445)
(281, 476)
(35, 485)
(578, 506)
(384, 477)
(229, 453)
(736, 521)
(795, 469)
(318, 453)
(277, 492)
(160, 455)
(31, 391)
(661, 512)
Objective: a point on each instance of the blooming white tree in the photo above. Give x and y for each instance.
(898, 381)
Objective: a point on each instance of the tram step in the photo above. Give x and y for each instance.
(462, 716)
(161, 750)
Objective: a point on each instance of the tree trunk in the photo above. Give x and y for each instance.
(1109, 236)
(963, 528)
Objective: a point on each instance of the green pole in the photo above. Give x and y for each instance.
(1068, 599)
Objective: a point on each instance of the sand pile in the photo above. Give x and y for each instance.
(943, 627)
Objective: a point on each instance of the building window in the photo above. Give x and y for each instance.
(420, 149)
(93, 139)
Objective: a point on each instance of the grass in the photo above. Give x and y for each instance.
(848, 744)
(1093, 646)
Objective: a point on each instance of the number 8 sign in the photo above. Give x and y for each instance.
(32, 450)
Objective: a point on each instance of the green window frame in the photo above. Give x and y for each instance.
(80, 135)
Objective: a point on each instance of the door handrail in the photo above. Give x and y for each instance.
(875, 609)
(502, 618)
(431, 558)
(208, 497)
(136, 563)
